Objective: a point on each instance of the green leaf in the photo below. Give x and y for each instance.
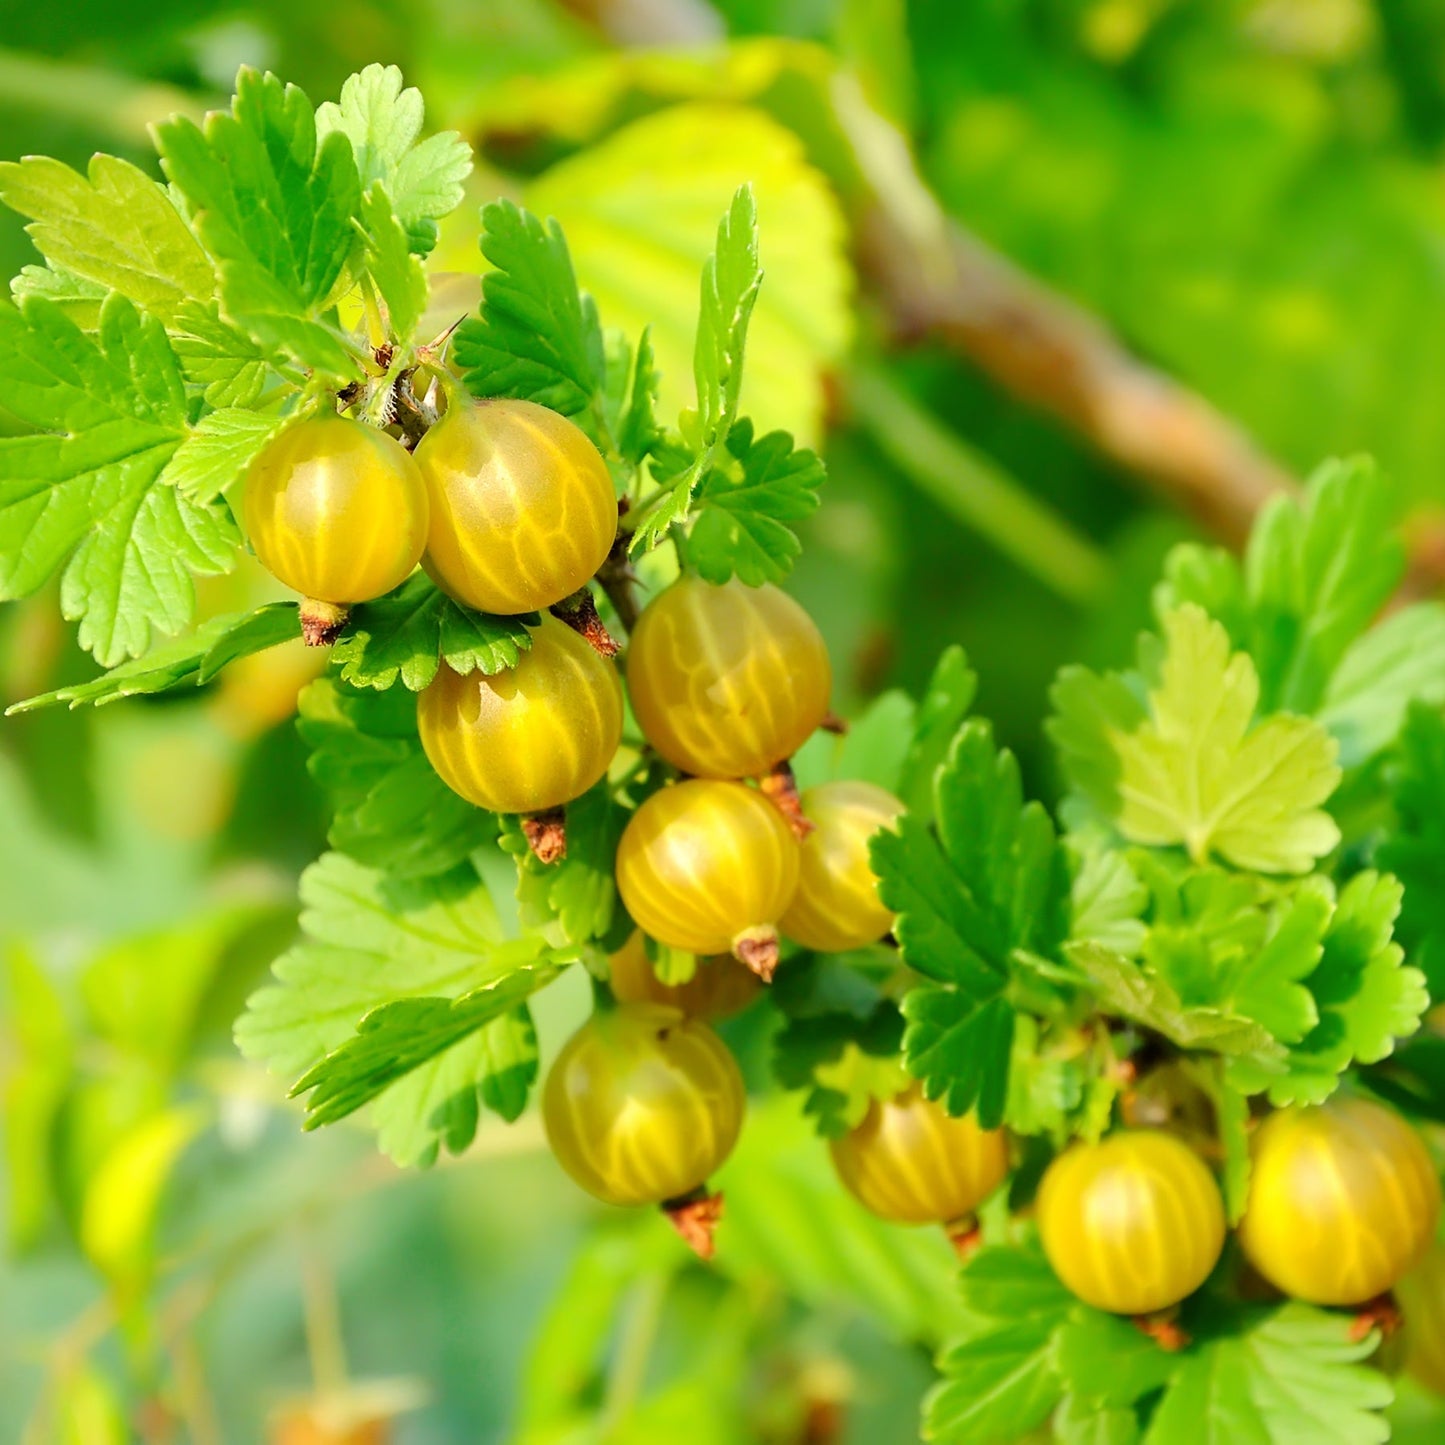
(745, 503)
(1107, 898)
(408, 633)
(394, 953)
(986, 881)
(276, 208)
(1317, 573)
(1080, 1422)
(1000, 1380)
(1414, 849)
(193, 659)
(1394, 665)
(218, 357)
(1126, 989)
(578, 892)
(1366, 997)
(537, 337)
(633, 421)
(731, 277)
(397, 1038)
(390, 810)
(1108, 1361)
(109, 411)
(115, 228)
(1289, 1376)
(1189, 768)
(841, 1041)
(950, 694)
(217, 450)
(396, 273)
(383, 122)
(79, 299)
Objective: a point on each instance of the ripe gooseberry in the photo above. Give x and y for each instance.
(709, 867)
(1132, 1224)
(642, 1104)
(523, 510)
(727, 681)
(912, 1162)
(530, 738)
(1343, 1201)
(337, 510)
(837, 905)
(718, 988)
(1422, 1296)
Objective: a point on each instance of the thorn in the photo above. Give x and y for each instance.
(834, 724)
(546, 835)
(780, 787)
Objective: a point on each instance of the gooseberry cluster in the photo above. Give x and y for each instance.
(511, 510)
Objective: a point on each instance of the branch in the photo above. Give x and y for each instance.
(1054, 356)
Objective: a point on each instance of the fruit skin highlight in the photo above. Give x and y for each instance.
(719, 987)
(1132, 1224)
(837, 906)
(1343, 1201)
(336, 510)
(729, 681)
(642, 1104)
(709, 867)
(523, 510)
(912, 1162)
(530, 738)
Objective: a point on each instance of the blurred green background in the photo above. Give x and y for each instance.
(1053, 284)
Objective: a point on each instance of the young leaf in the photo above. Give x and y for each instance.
(1187, 768)
(395, 272)
(408, 633)
(745, 503)
(79, 299)
(1287, 1374)
(1107, 898)
(383, 121)
(276, 208)
(1395, 664)
(950, 694)
(984, 882)
(193, 659)
(218, 449)
(633, 421)
(1000, 1380)
(1317, 573)
(537, 337)
(114, 227)
(1366, 997)
(108, 410)
(731, 277)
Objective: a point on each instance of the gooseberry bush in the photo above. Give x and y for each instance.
(1155, 1063)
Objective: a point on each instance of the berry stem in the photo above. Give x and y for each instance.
(579, 612)
(546, 835)
(780, 788)
(695, 1216)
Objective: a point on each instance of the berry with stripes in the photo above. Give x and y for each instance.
(710, 867)
(1343, 1201)
(718, 988)
(1132, 1224)
(912, 1162)
(523, 510)
(337, 510)
(727, 681)
(531, 738)
(837, 906)
(642, 1105)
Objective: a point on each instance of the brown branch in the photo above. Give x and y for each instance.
(1052, 355)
